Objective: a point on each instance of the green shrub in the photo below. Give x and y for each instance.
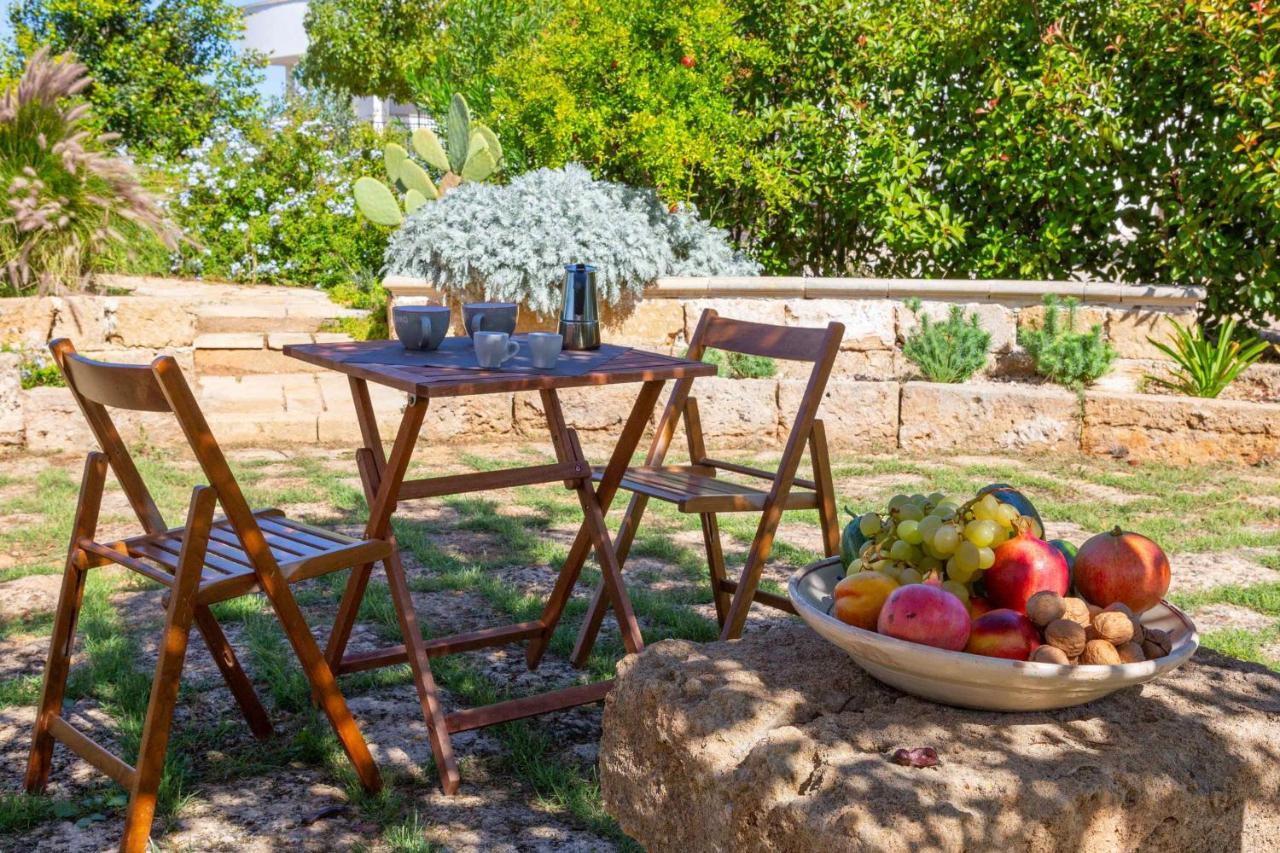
(737, 365)
(1137, 139)
(950, 351)
(511, 242)
(1204, 367)
(67, 198)
(363, 291)
(164, 72)
(1062, 354)
(271, 204)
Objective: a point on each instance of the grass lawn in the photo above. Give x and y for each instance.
(480, 560)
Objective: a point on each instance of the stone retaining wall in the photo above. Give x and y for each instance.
(229, 340)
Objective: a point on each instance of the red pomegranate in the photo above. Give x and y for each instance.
(1122, 567)
(1025, 565)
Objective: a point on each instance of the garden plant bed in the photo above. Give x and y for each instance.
(484, 560)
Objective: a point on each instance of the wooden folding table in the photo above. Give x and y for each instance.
(384, 482)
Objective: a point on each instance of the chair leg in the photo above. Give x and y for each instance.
(241, 688)
(715, 563)
(164, 687)
(826, 493)
(761, 546)
(58, 664)
(590, 627)
(324, 686)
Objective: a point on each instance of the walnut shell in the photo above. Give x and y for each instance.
(1066, 635)
(1045, 607)
(1130, 652)
(1077, 611)
(1118, 607)
(1156, 643)
(1099, 653)
(1113, 626)
(1094, 609)
(1121, 607)
(1050, 654)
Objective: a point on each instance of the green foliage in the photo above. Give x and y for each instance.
(950, 351)
(416, 52)
(1062, 354)
(164, 72)
(66, 197)
(1205, 366)
(472, 154)
(363, 291)
(271, 203)
(1137, 139)
(737, 365)
(35, 368)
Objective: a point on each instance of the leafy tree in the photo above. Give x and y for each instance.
(1131, 139)
(416, 51)
(164, 71)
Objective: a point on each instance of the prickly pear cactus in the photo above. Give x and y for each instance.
(428, 146)
(414, 177)
(394, 157)
(459, 133)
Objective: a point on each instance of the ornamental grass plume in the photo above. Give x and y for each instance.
(66, 196)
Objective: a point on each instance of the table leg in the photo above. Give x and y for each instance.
(632, 431)
(382, 502)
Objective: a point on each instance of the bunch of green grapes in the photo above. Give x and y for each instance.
(933, 535)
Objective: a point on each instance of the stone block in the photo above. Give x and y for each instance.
(301, 392)
(263, 427)
(1129, 329)
(594, 412)
(230, 340)
(868, 323)
(996, 319)
(280, 340)
(53, 422)
(11, 420)
(1087, 316)
(237, 362)
(652, 324)
(1179, 430)
(26, 321)
(779, 742)
(738, 412)
(756, 310)
(470, 420)
(987, 417)
(249, 395)
(83, 319)
(156, 322)
(857, 415)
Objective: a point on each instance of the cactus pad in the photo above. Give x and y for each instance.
(394, 156)
(428, 146)
(376, 202)
(414, 177)
(491, 139)
(413, 200)
(479, 166)
(459, 133)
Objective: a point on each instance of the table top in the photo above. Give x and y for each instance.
(629, 365)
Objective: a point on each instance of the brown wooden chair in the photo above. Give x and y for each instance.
(696, 488)
(205, 561)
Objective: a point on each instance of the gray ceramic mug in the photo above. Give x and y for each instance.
(421, 326)
(489, 317)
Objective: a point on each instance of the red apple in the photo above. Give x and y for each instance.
(919, 613)
(1003, 633)
(1122, 567)
(1025, 565)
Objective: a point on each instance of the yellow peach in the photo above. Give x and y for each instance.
(860, 596)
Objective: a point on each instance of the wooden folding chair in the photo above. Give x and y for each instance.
(205, 561)
(695, 488)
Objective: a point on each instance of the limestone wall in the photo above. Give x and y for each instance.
(229, 339)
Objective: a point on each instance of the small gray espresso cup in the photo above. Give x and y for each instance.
(493, 349)
(421, 326)
(489, 317)
(544, 349)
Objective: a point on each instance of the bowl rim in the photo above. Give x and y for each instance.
(1182, 650)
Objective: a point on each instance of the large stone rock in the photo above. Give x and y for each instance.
(778, 742)
(26, 321)
(738, 412)
(869, 324)
(978, 417)
(1180, 429)
(150, 321)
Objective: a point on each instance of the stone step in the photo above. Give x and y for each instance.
(267, 316)
(248, 353)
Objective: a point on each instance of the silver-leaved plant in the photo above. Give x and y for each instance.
(510, 242)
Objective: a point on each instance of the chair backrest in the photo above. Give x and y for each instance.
(790, 343)
(158, 387)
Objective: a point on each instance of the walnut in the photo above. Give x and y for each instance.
(1113, 626)
(1045, 607)
(1050, 654)
(1121, 607)
(1077, 611)
(1099, 653)
(1094, 609)
(1130, 652)
(1066, 635)
(1156, 643)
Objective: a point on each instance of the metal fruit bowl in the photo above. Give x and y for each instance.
(975, 681)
